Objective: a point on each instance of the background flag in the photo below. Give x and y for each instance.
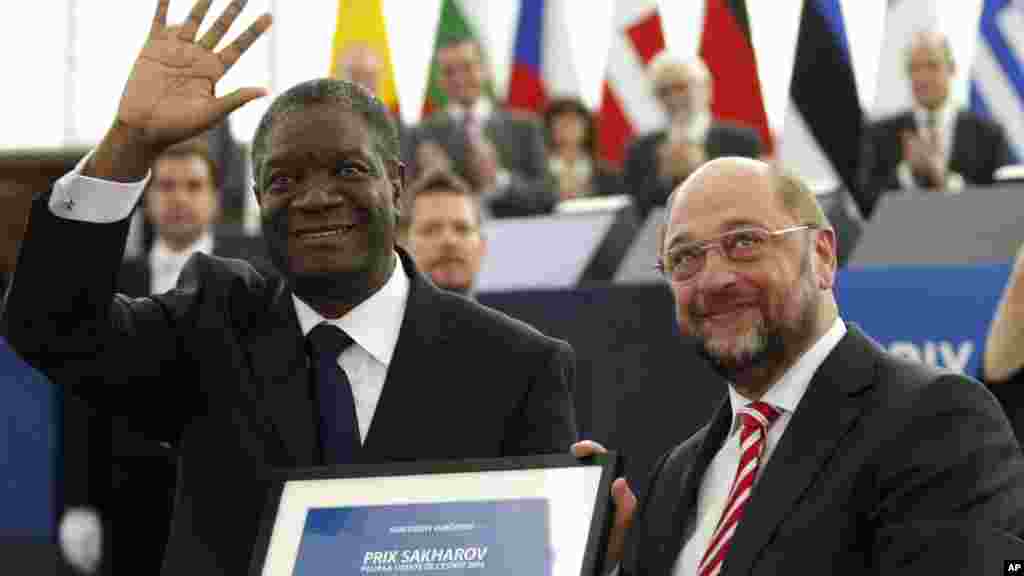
(726, 49)
(362, 21)
(997, 79)
(628, 105)
(453, 24)
(526, 89)
(824, 91)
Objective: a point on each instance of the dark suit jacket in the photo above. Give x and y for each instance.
(887, 467)
(517, 136)
(979, 149)
(219, 368)
(1011, 396)
(139, 506)
(641, 171)
(134, 278)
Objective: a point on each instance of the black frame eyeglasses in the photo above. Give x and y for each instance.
(682, 263)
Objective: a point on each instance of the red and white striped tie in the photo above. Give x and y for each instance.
(756, 417)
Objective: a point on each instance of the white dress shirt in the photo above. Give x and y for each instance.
(785, 395)
(694, 130)
(945, 126)
(482, 110)
(373, 324)
(165, 264)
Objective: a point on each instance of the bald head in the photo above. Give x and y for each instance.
(360, 63)
(735, 181)
(683, 86)
(930, 67)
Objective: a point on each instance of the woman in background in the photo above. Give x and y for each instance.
(571, 135)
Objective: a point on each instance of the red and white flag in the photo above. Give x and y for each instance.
(628, 105)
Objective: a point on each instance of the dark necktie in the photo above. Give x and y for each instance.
(339, 427)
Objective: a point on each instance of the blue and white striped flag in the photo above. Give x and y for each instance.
(997, 77)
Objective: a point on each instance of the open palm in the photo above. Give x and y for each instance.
(170, 96)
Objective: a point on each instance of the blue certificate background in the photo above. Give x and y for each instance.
(335, 541)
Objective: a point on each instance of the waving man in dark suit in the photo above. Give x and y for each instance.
(351, 356)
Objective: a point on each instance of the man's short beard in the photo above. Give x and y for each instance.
(766, 344)
(760, 346)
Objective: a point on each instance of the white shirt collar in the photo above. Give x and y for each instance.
(694, 130)
(482, 110)
(946, 115)
(161, 255)
(789, 390)
(374, 323)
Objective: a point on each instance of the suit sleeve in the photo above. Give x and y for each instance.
(631, 555)
(546, 419)
(957, 471)
(1001, 155)
(877, 172)
(641, 175)
(535, 167)
(62, 317)
(1010, 395)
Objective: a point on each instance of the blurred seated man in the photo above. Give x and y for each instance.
(182, 204)
(441, 224)
(571, 143)
(506, 194)
(363, 64)
(471, 116)
(657, 162)
(934, 145)
(1003, 369)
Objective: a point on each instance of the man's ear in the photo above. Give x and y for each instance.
(826, 248)
(661, 243)
(396, 175)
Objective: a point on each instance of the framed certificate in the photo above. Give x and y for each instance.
(536, 515)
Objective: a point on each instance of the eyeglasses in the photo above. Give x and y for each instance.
(683, 263)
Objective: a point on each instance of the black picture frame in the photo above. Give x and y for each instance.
(597, 527)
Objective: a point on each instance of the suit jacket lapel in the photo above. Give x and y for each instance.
(963, 143)
(712, 437)
(826, 413)
(407, 392)
(281, 372)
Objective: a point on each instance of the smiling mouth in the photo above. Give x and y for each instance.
(324, 232)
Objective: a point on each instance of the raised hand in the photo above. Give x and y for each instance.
(169, 96)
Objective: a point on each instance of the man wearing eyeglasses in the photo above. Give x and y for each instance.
(828, 455)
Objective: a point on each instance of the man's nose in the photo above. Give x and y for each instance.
(717, 272)
(317, 194)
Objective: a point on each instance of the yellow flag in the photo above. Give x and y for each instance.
(361, 25)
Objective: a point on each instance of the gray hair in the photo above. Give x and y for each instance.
(328, 91)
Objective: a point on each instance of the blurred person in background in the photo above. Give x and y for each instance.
(571, 136)
(441, 224)
(182, 205)
(506, 194)
(935, 145)
(658, 161)
(472, 117)
(360, 63)
(1003, 365)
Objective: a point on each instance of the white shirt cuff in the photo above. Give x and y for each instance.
(88, 199)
